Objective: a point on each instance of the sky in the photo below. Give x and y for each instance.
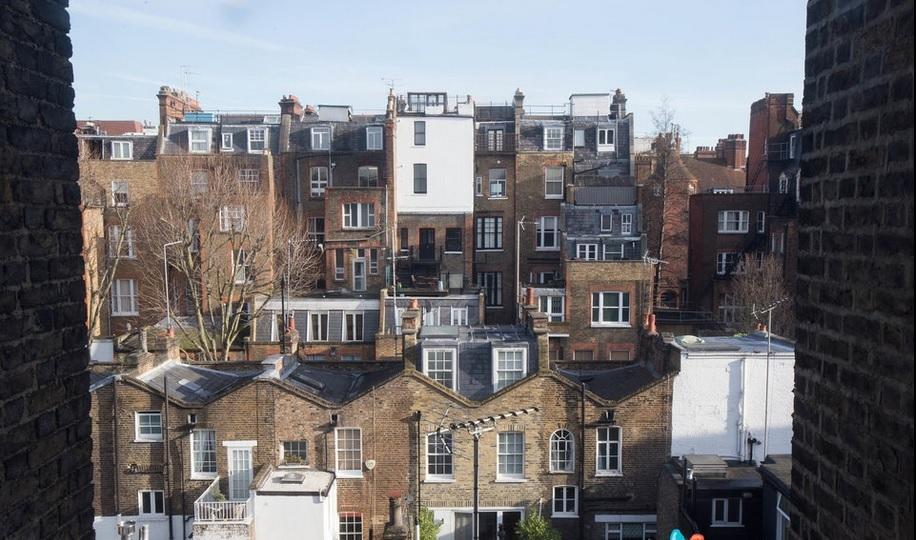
(709, 60)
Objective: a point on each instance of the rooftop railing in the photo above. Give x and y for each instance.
(209, 508)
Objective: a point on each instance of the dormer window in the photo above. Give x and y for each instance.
(199, 140)
(509, 365)
(226, 145)
(374, 138)
(321, 138)
(122, 150)
(553, 138)
(439, 365)
(257, 140)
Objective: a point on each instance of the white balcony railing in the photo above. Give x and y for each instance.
(209, 509)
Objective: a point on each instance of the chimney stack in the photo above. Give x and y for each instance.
(618, 104)
(290, 105)
(173, 104)
(733, 151)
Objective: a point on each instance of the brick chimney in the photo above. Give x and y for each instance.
(173, 104)
(618, 104)
(733, 151)
(290, 105)
(410, 329)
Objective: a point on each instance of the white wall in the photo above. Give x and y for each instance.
(106, 527)
(449, 158)
(707, 403)
(292, 516)
(590, 104)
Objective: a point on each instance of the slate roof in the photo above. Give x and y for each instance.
(346, 136)
(112, 127)
(193, 385)
(613, 384)
(338, 385)
(714, 175)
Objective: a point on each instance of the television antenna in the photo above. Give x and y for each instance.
(766, 402)
(651, 260)
(184, 76)
(389, 82)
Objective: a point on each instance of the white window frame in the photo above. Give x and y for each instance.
(431, 316)
(608, 444)
(355, 213)
(249, 177)
(622, 308)
(227, 142)
(547, 304)
(578, 138)
(501, 454)
(114, 236)
(550, 140)
(733, 221)
(608, 220)
(793, 146)
(626, 224)
(323, 136)
(542, 234)
(446, 452)
(241, 266)
(373, 133)
(120, 187)
(348, 473)
(499, 385)
(783, 519)
(359, 279)
(726, 503)
(453, 371)
(318, 184)
(196, 466)
(251, 139)
(587, 252)
(153, 505)
(608, 255)
(231, 218)
(147, 437)
(548, 181)
(364, 178)
(564, 500)
(353, 522)
(608, 146)
(555, 442)
(783, 183)
(351, 328)
(778, 242)
(200, 181)
(117, 298)
(458, 316)
(495, 180)
(301, 443)
(323, 318)
(726, 260)
(209, 140)
(121, 155)
(761, 221)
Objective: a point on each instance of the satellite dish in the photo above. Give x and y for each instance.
(370, 464)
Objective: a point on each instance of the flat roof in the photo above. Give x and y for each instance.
(755, 342)
(287, 480)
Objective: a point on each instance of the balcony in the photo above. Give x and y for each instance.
(210, 508)
(494, 142)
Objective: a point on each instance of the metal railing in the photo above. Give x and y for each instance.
(494, 141)
(209, 509)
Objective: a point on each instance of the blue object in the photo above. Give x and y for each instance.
(676, 534)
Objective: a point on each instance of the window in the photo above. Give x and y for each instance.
(339, 271)
(553, 182)
(319, 181)
(509, 366)
(459, 316)
(321, 138)
(607, 222)
(316, 229)
(793, 146)
(431, 316)
(241, 266)
(478, 186)
(419, 177)
(373, 261)
(199, 140)
(553, 138)
(148, 426)
(726, 262)
(124, 297)
(783, 521)
(733, 221)
(548, 233)
(231, 218)
(562, 451)
(578, 138)
(510, 457)
(608, 451)
(778, 242)
(605, 139)
(619, 356)
(226, 145)
(761, 221)
(374, 138)
(727, 512)
(119, 193)
(544, 278)
(630, 531)
(453, 240)
(152, 502)
(495, 140)
(348, 443)
(403, 241)
(612, 251)
(492, 284)
(294, 452)
(358, 216)
(351, 527)
(626, 224)
(439, 456)
(122, 150)
(249, 177)
(552, 306)
(121, 243)
(497, 183)
(439, 365)
(353, 326)
(257, 140)
(203, 453)
(318, 326)
(610, 309)
(368, 176)
(587, 252)
(200, 182)
(489, 233)
(564, 501)
(584, 355)
(783, 183)
(727, 308)
(419, 133)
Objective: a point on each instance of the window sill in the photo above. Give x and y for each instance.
(610, 325)
(429, 480)
(494, 307)
(553, 197)
(147, 440)
(733, 232)
(490, 250)
(548, 249)
(126, 314)
(349, 475)
(565, 516)
(204, 476)
(453, 252)
(511, 480)
(498, 198)
(601, 474)
(562, 472)
(122, 158)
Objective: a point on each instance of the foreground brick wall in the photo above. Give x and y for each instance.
(45, 472)
(853, 448)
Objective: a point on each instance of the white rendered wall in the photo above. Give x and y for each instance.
(106, 527)
(707, 404)
(449, 158)
(296, 516)
(590, 104)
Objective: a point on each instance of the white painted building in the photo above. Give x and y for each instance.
(721, 399)
(435, 157)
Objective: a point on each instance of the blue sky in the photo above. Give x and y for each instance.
(711, 59)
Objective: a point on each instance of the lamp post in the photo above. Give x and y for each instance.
(165, 279)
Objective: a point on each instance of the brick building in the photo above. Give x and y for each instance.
(45, 469)
(771, 117)
(852, 471)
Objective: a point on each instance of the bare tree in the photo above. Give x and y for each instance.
(103, 250)
(231, 246)
(758, 283)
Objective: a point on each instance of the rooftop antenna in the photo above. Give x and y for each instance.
(185, 76)
(389, 82)
(651, 260)
(766, 401)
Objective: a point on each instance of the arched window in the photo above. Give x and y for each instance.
(562, 451)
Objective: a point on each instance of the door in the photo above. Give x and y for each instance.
(510, 521)
(427, 244)
(239, 473)
(464, 526)
(359, 274)
(488, 525)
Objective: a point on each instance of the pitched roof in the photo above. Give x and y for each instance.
(338, 385)
(613, 384)
(193, 385)
(112, 127)
(714, 174)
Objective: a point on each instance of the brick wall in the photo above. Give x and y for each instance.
(853, 425)
(45, 472)
(530, 202)
(502, 261)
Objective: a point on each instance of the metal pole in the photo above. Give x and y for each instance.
(582, 468)
(766, 398)
(168, 465)
(518, 277)
(476, 524)
(282, 315)
(165, 279)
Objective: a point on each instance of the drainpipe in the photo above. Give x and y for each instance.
(742, 424)
(582, 469)
(167, 468)
(117, 472)
(419, 416)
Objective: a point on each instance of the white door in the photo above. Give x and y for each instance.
(239, 473)
(359, 274)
